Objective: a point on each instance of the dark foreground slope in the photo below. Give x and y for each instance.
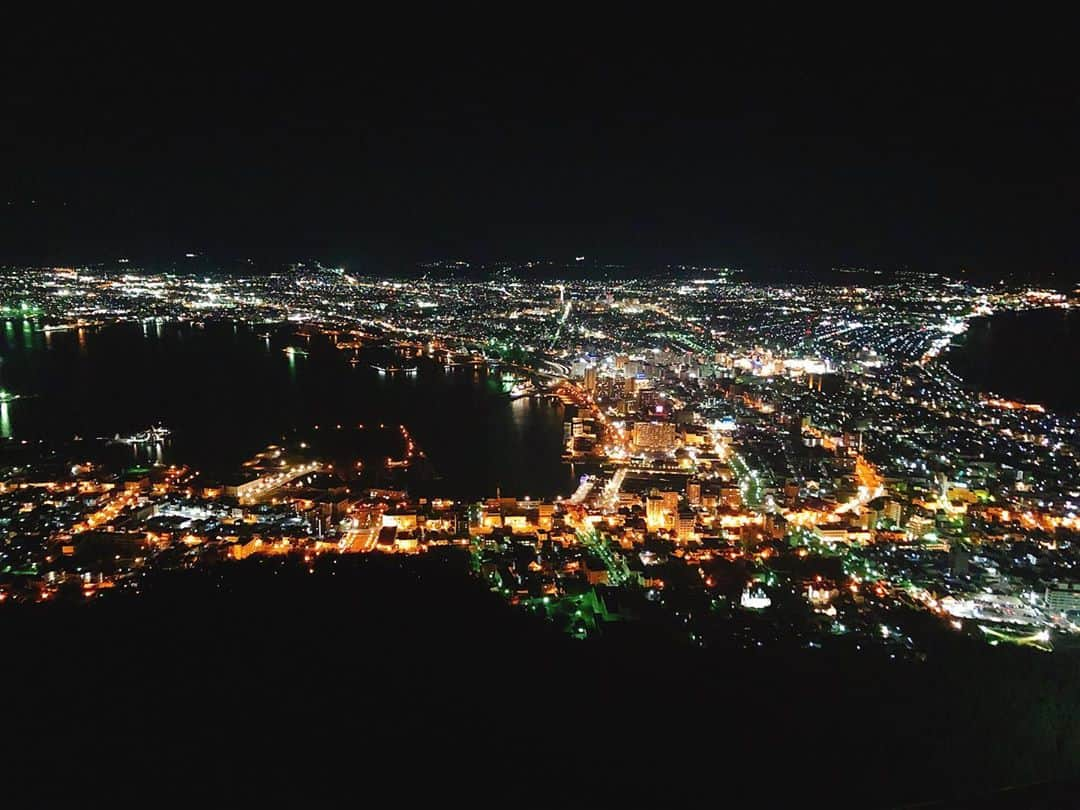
(382, 677)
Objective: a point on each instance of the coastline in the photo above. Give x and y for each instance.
(986, 374)
(317, 386)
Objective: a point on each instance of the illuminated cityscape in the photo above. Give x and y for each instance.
(526, 412)
(761, 465)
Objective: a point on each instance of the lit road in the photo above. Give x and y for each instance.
(362, 540)
(618, 571)
(870, 486)
(562, 321)
(583, 490)
(609, 496)
(267, 485)
(749, 485)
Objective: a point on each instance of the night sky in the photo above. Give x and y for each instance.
(934, 147)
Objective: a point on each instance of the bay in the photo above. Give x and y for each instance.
(1030, 356)
(227, 390)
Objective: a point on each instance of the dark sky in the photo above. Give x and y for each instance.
(741, 143)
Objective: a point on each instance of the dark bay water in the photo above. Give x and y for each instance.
(1031, 356)
(226, 391)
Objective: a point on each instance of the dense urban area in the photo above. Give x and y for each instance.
(789, 466)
